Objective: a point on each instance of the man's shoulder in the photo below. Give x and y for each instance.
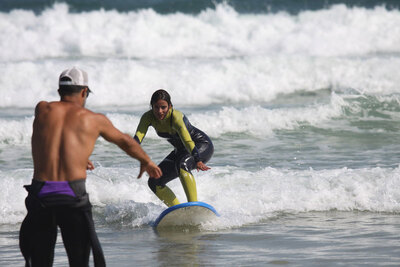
(41, 104)
(51, 105)
(92, 121)
(93, 115)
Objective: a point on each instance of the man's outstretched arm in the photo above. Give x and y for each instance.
(129, 145)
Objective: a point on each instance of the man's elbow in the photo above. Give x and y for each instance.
(127, 143)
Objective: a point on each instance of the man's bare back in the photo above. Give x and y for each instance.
(63, 138)
(64, 135)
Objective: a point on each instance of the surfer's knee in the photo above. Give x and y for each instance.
(152, 182)
(187, 164)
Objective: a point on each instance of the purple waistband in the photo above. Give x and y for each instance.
(59, 188)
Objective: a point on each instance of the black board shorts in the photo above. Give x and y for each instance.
(59, 204)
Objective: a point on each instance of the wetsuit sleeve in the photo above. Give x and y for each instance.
(142, 128)
(184, 134)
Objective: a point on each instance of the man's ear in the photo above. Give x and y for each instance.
(84, 92)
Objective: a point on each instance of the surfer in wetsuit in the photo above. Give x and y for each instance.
(64, 135)
(192, 147)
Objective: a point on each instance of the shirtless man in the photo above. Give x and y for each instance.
(64, 135)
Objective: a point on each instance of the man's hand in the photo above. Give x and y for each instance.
(90, 166)
(151, 168)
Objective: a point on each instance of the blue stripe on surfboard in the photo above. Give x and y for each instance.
(182, 205)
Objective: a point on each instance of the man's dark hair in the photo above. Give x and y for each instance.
(64, 90)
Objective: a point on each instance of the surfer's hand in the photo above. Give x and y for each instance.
(151, 168)
(201, 166)
(89, 166)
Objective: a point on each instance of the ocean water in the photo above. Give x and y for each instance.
(301, 100)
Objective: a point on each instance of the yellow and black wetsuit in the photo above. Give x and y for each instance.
(191, 146)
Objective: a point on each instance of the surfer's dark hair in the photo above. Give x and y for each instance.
(160, 94)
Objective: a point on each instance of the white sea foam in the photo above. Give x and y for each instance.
(260, 121)
(219, 32)
(16, 131)
(12, 208)
(199, 82)
(218, 56)
(240, 196)
(253, 120)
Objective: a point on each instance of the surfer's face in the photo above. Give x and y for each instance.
(160, 109)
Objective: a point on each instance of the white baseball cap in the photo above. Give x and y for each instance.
(76, 77)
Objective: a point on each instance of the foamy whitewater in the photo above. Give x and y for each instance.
(303, 110)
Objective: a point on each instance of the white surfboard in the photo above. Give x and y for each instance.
(186, 214)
